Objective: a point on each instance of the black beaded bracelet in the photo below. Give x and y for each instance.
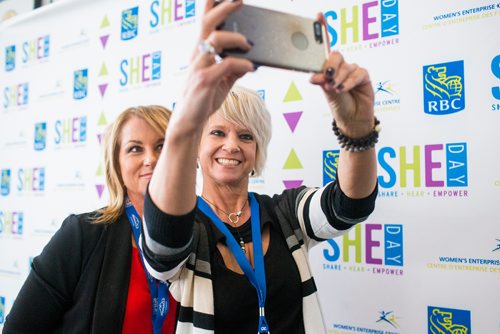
(360, 144)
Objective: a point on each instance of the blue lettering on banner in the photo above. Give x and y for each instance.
(393, 235)
(456, 165)
(156, 66)
(390, 18)
(495, 69)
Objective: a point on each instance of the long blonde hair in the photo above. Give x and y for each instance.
(157, 117)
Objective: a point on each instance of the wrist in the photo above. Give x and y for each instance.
(357, 139)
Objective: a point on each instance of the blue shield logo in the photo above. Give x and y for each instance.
(5, 182)
(130, 23)
(444, 88)
(80, 84)
(10, 58)
(330, 164)
(40, 136)
(447, 320)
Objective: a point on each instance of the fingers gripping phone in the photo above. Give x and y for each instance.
(280, 40)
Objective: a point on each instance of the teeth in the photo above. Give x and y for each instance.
(230, 162)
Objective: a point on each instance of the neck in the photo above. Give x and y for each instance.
(138, 203)
(227, 198)
(229, 206)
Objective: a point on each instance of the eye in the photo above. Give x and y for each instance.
(218, 133)
(159, 147)
(246, 136)
(134, 149)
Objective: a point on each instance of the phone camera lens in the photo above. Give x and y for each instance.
(318, 36)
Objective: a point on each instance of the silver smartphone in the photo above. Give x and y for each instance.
(279, 39)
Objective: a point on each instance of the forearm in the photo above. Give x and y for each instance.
(173, 184)
(357, 173)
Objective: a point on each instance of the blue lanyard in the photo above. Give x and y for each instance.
(158, 289)
(258, 276)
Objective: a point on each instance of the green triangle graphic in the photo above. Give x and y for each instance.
(292, 94)
(293, 161)
(99, 171)
(104, 70)
(102, 119)
(105, 22)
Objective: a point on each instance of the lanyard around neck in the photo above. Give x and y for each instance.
(158, 289)
(257, 276)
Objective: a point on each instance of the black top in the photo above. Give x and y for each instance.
(284, 295)
(79, 283)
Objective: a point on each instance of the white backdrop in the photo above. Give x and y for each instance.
(427, 260)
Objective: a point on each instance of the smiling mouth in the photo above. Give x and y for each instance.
(228, 162)
(147, 175)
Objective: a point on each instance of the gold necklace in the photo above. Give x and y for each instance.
(234, 218)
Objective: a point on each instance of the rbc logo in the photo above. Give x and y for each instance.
(5, 182)
(141, 68)
(444, 88)
(80, 84)
(2, 309)
(262, 94)
(130, 23)
(447, 320)
(330, 164)
(10, 58)
(40, 136)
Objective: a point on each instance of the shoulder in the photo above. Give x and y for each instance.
(83, 225)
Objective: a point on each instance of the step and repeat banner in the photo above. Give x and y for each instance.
(427, 260)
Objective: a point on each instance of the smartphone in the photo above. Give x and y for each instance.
(280, 40)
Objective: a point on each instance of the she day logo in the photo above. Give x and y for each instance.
(444, 88)
(359, 21)
(80, 84)
(10, 58)
(130, 23)
(448, 320)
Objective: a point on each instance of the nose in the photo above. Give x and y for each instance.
(231, 146)
(150, 158)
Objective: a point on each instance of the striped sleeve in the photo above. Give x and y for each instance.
(327, 212)
(166, 240)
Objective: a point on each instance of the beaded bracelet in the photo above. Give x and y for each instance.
(357, 145)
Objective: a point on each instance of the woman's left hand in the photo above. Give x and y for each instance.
(349, 93)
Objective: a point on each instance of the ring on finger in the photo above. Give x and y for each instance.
(206, 47)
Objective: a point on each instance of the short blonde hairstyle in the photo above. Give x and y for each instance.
(246, 108)
(157, 117)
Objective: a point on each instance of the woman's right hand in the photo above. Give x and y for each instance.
(208, 81)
